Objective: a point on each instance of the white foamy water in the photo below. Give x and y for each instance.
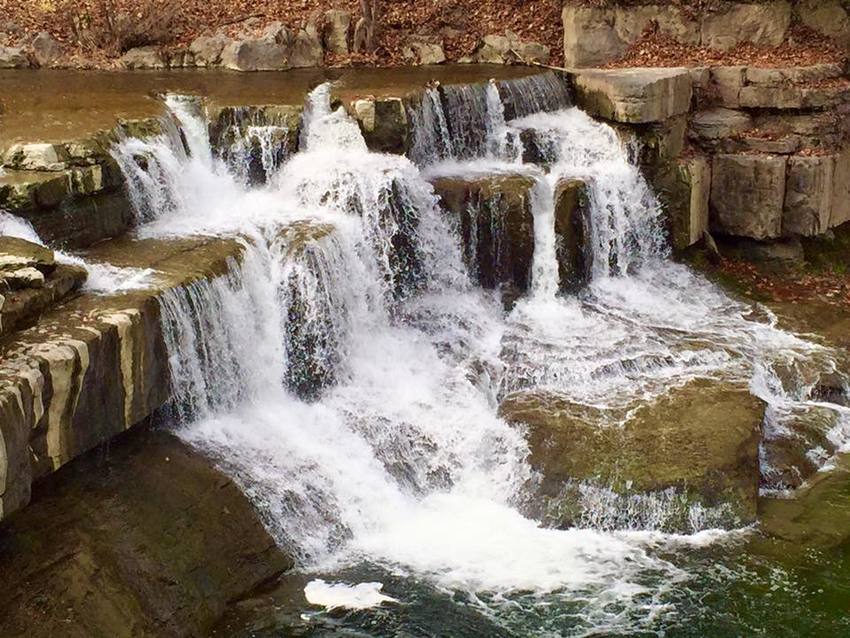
(336, 595)
(347, 373)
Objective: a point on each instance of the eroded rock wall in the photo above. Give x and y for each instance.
(600, 33)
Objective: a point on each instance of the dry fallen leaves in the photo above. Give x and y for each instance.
(460, 24)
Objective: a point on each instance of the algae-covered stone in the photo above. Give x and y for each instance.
(700, 439)
(793, 452)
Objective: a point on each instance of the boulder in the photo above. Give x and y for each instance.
(757, 96)
(22, 192)
(493, 214)
(841, 189)
(701, 440)
(532, 52)
(590, 37)
(726, 84)
(30, 292)
(337, 26)
(709, 128)
(230, 128)
(783, 76)
(423, 50)
(207, 49)
(13, 58)
(149, 57)
(45, 49)
(572, 228)
(814, 129)
(808, 195)
(148, 539)
(307, 51)
(269, 51)
(493, 49)
(21, 278)
(689, 206)
(634, 95)
(763, 24)
(18, 253)
(747, 195)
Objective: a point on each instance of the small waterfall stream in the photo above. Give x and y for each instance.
(347, 372)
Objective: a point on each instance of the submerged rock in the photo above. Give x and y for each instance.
(147, 540)
(701, 440)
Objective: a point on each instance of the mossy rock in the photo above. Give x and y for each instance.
(700, 439)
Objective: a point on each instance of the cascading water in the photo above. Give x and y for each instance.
(347, 373)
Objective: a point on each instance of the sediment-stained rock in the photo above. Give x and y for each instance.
(94, 366)
(496, 225)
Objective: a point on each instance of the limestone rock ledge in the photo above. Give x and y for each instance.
(58, 392)
(71, 192)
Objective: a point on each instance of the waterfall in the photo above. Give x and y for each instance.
(467, 122)
(347, 373)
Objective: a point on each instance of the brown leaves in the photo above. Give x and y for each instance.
(804, 48)
(460, 24)
(832, 288)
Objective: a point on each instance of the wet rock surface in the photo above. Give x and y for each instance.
(496, 226)
(144, 538)
(92, 367)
